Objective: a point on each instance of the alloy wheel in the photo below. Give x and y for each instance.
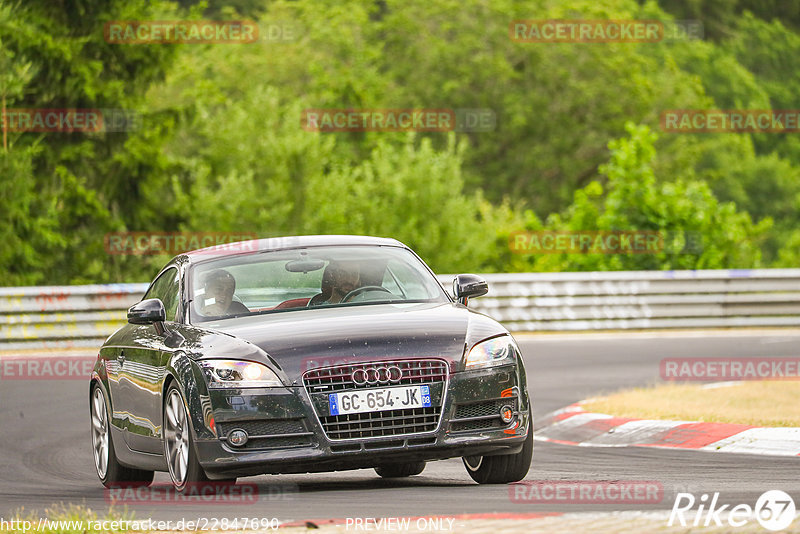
(473, 463)
(176, 438)
(100, 443)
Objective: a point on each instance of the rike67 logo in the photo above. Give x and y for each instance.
(774, 510)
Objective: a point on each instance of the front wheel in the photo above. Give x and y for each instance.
(400, 470)
(501, 469)
(184, 468)
(109, 470)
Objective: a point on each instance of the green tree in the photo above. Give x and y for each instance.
(60, 59)
(247, 166)
(700, 232)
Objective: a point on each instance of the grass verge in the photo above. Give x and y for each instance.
(762, 403)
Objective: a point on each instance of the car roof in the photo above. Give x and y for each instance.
(282, 243)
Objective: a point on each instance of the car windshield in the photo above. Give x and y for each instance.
(316, 277)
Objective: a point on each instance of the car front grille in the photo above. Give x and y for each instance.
(286, 442)
(339, 378)
(321, 382)
(264, 427)
(480, 424)
(480, 415)
(269, 434)
(378, 424)
(478, 409)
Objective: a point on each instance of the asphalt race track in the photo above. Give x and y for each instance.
(46, 454)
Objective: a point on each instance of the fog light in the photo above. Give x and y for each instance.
(506, 414)
(237, 437)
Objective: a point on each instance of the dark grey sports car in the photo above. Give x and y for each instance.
(306, 354)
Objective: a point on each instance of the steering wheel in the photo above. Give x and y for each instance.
(357, 291)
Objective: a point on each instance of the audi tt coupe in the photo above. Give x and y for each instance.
(307, 354)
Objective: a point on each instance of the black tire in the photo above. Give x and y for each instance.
(501, 469)
(400, 470)
(192, 473)
(115, 474)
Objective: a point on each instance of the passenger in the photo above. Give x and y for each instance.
(218, 297)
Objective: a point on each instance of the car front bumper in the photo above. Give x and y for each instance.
(287, 436)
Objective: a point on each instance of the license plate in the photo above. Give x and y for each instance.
(379, 400)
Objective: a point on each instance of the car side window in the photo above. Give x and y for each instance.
(167, 288)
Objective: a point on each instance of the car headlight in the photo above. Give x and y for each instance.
(238, 374)
(496, 351)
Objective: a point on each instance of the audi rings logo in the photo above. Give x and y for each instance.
(377, 375)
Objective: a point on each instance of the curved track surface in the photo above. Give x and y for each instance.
(45, 454)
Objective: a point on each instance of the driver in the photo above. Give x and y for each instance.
(338, 279)
(217, 299)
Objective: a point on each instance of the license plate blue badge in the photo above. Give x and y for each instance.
(379, 400)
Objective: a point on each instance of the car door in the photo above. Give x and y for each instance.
(142, 367)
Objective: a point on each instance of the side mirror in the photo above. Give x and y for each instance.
(469, 285)
(147, 312)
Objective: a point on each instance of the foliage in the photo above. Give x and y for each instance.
(574, 148)
(699, 232)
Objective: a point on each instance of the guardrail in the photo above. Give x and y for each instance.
(643, 299)
(63, 316)
(82, 316)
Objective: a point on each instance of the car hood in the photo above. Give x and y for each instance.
(299, 340)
